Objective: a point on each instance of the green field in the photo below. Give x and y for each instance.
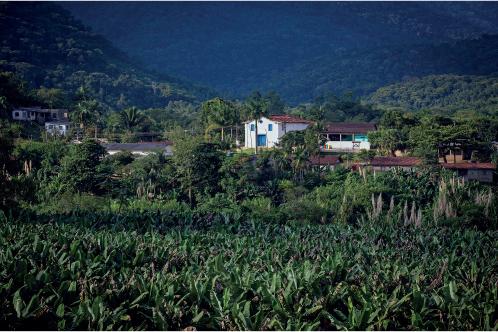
(158, 271)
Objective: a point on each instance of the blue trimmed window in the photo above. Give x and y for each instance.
(270, 127)
(252, 127)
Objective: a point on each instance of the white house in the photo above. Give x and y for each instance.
(271, 129)
(59, 127)
(39, 115)
(347, 136)
(139, 149)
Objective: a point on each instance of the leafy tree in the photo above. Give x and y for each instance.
(80, 171)
(275, 104)
(367, 155)
(218, 113)
(197, 164)
(53, 98)
(387, 139)
(255, 110)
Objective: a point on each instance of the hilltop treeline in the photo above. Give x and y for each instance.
(365, 70)
(235, 45)
(441, 93)
(44, 45)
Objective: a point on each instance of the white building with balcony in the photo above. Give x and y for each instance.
(347, 136)
(59, 127)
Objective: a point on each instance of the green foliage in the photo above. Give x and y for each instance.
(45, 46)
(344, 70)
(167, 271)
(82, 166)
(247, 44)
(131, 117)
(441, 93)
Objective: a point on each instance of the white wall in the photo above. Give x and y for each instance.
(61, 129)
(273, 136)
(347, 145)
(168, 151)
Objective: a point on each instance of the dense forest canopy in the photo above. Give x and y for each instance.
(367, 69)
(441, 93)
(43, 45)
(233, 46)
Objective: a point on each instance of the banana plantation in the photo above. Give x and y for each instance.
(171, 271)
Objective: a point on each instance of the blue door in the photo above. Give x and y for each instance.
(261, 140)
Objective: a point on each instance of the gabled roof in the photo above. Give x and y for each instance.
(395, 161)
(325, 160)
(287, 119)
(468, 166)
(349, 128)
(281, 118)
(136, 146)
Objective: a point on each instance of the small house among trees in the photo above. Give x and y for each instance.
(39, 115)
(347, 136)
(472, 171)
(272, 128)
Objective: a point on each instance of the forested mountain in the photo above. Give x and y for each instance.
(441, 93)
(480, 14)
(365, 70)
(236, 45)
(43, 45)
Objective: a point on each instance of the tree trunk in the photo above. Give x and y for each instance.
(256, 136)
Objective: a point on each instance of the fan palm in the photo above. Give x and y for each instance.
(256, 110)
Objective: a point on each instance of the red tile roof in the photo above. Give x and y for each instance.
(349, 128)
(288, 119)
(325, 160)
(395, 161)
(468, 166)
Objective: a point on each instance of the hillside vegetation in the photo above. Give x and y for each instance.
(365, 70)
(441, 93)
(235, 45)
(43, 45)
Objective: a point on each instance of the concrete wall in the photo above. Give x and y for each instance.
(482, 175)
(388, 168)
(345, 145)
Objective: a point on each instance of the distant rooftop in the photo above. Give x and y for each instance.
(288, 119)
(468, 166)
(324, 160)
(281, 118)
(395, 161)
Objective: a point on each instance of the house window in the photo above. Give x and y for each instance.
(462, 172)
(16, 114)
(334, 137)
(252, 127)
(484, 173)
(361, 138)
(347, 138)
(270, 127)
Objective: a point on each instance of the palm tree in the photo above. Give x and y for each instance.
(81, 95)
(86, 112)
(217, 113)
(299, 159)
(132, 117)
(256, 110)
